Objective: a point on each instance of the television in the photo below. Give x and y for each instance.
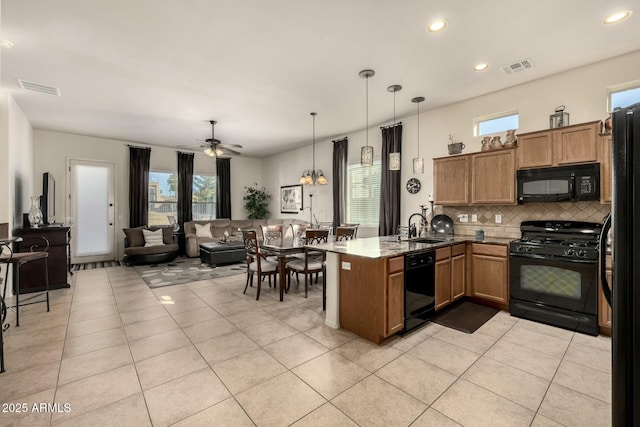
(48, 199)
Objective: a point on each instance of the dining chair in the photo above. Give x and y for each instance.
(314, 261)
(346, 233)
(272, 234)
(257, 262)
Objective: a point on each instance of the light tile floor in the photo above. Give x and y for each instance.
(201, 354)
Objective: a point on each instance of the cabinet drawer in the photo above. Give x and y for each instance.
(443, 253)
(458, 249)
(489, 249)
(396, 264)
(56, 237)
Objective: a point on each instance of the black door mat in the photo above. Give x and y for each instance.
(466, 316)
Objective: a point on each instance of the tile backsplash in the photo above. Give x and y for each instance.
(513, 215)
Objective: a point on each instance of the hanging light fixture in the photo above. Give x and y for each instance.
(313, 176)
(366, 152)
(418, 162)
(394, 158)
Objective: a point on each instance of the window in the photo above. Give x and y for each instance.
(488, 125)
(363, 194)
(163, 188)
(625, 96)
(204, 197)
(163, 202)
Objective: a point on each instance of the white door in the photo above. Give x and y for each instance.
(91, 196)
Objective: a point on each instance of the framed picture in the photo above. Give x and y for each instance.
(291, 198)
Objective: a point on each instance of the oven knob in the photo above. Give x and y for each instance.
(582, 253)
(569, 252)
(529, 249)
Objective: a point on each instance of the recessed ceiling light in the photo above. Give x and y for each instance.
(617, 17)
(481, 67)
(438, 25)
(7, 44)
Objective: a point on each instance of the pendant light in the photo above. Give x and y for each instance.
(366, 152)
(418, 162)
(394, 158)
(313, 176)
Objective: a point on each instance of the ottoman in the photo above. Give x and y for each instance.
(215, 253)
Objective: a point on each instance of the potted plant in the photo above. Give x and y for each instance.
(256, 201)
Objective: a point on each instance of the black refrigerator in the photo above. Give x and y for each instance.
(625, 295)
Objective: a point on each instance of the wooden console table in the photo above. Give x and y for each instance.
(59, 257)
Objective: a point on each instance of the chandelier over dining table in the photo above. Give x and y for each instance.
(313, 176)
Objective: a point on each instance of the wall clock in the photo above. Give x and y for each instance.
(413, 185)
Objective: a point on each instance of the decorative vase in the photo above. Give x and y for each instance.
(35, 214)
(511, 139)
(496, 143)
(486, 143)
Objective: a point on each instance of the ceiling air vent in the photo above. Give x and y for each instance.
(518, 67)
(38, 87)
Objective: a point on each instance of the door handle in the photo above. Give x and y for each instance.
(607, 288)
(110, 223)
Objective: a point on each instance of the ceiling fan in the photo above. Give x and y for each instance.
(215, 148)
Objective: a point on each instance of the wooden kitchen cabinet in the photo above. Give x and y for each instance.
(493, 177)
(535, 150)
(553, 147)
(372, 296)
(605, 319)
(443, 277)
(394, 317)
(458, 271)
(451, 180)
(490, 273)
(450, 272)
(606, 172)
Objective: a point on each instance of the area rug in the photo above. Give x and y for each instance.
(465, 317)
(185, 270)
(92, 265)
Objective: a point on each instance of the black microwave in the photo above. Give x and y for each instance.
(561, 183)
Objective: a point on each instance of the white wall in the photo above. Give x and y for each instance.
(583, 91)
(55, 149)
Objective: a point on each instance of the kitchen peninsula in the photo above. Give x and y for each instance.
(365, 279)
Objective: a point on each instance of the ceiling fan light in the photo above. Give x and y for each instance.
(303, 179)
(209, 152)
(219, 152)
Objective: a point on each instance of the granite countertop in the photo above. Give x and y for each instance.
(388, 246)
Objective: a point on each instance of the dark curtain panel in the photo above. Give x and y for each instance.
(390, 182)
(223, 193)
(340, 152)
(185, 188)
(139, 159)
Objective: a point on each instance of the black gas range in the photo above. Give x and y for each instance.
(553, 274)
(558, 239)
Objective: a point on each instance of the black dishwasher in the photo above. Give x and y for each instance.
(419, 288)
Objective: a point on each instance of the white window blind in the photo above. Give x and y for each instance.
(363, 194)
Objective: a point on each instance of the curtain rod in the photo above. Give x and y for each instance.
(341, 139)
(139, 146)
(185, 152)
(391, 126)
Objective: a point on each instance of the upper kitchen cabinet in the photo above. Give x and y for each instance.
(484, 178)
(493, 176)
(566, 145)
(451, 180)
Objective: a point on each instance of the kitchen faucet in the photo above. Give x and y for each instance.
(423, 225)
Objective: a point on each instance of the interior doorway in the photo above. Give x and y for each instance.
(92, 206)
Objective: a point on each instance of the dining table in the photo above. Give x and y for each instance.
(283, 249)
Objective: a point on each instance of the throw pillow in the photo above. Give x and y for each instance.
(203, 230)
(152, 238)
(134, 236)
